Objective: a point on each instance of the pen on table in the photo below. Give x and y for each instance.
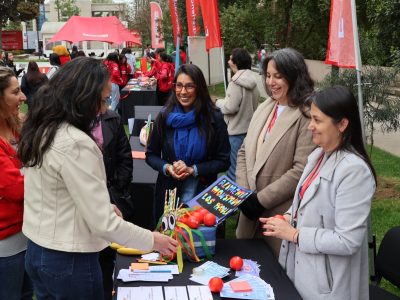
(152, 261)
(152, 271)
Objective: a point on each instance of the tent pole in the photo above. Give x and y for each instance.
(223, 66)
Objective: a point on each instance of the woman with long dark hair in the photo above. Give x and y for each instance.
(32, 81)
(189, 144)
(68, 216)
(274, 152)
(9, 62)
(324, 249)
(14, 282)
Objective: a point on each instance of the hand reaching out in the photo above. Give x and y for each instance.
(164, 244)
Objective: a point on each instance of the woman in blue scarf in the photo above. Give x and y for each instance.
(189, 145)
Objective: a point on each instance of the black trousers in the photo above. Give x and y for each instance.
(107, 264)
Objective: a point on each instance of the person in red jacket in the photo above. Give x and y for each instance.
(165, 78)
(125, 69)
(14, 283)
(155, 65)
(112, 64)
(182, 55)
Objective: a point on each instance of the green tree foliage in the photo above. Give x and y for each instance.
(18, 10)
(241, 26)
(139, 19)
(66, 9)
(380, 105)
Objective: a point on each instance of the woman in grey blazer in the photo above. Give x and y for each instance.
(324, 248)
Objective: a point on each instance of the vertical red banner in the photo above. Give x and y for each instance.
(192, 12)
(157, 36)
(340, 50)
(176, 24)
(212, 28)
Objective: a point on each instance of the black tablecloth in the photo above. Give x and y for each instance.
(142, 172)
(144, 179)
(257, 250)
(146, 96)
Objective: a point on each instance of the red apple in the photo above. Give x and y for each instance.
(193, 222)
(198, 216)
(215, 284)
(209, 219)
(236, 263)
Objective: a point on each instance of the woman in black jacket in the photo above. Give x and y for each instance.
(110, 136)
(9, 62)
(189, 144)
(32, 81)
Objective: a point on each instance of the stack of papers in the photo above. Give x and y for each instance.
(141, 292)
(249, 267)
(248, 287)
(162, 273)
(196, 292)
(208, 270)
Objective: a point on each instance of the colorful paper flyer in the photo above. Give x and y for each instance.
(221, 198)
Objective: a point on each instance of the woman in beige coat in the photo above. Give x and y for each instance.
(68, 215)
(275, 150)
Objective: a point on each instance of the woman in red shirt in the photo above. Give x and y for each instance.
(14, 283)
(125, 69)
(112, 64)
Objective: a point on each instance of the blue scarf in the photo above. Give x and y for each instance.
(189, 144)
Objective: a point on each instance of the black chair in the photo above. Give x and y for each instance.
(387, 265)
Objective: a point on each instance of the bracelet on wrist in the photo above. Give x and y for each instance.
(295, 237)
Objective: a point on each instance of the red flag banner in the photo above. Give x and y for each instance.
(192, 12)
(176, 24)
(157, 36)
(212, 28)
(340, 50)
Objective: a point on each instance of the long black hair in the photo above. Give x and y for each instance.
(339, 103)
(72, 95)
(203, 104)
(291, 65)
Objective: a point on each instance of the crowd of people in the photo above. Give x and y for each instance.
(300, 151)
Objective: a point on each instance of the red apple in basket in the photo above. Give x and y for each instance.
(198, 216)
(215, 284)
(209, 219)
(193, 222)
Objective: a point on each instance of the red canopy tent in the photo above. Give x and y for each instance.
(103, 29)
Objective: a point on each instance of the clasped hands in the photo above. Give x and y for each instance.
(179, 170)
(279, 228)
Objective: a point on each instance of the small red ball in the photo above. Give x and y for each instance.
(209, 219)
(215, 284)
(236, 263)
(193, 223)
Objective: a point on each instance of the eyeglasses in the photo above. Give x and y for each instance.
(189, 87)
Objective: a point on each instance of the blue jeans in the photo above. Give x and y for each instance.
(114, 96)
(236, 142)
(64, 275)
(14, 282)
